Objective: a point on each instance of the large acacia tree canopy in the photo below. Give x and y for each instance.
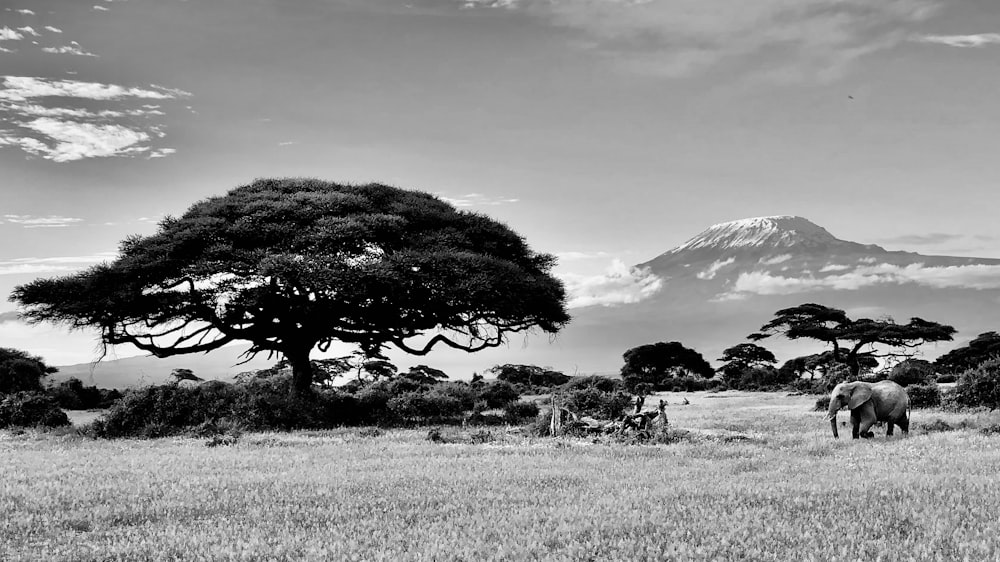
(289, 264)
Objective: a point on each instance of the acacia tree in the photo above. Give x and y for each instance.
(984, 347)
(853, 339)
(291, 265)
(652, 363)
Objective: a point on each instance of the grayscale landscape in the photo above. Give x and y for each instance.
(499, 280)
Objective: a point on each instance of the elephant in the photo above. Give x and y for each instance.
(883, 401)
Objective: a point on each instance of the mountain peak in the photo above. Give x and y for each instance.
(779, 231)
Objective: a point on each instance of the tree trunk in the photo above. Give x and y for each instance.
(302, 375)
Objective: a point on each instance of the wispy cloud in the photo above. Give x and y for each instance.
(9, 317)
(790, 40)
(30, 221)
(976, 276)
(100, 8)
(29, 30)
(714, 268)
(25, 12)
(929, 239)
(967, 41)
(53, 29)
(8, 34)
(477, 200)
(72, 49)
(64, 134)
(33, 266)
(577, 256)
(620, 284)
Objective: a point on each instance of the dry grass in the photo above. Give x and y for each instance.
(760, 479)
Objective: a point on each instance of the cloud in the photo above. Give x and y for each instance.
(802, 39)
(70, 140)
(477, 200)
(30, 221)
(976, 276)
(576, 256)
(21, 88)
(930, 239)
(63, 134)
(162, 152)
(30, 31)
(34, 266)
(965, 41)
(26, 12)
(775, 260)
(100, 9)
(8, 34)
(10, 317)
(714, 269)
(68, 50)
(53, 29)
(620, 284)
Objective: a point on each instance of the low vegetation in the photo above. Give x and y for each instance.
(744, 476)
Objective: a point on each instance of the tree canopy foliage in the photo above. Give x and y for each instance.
(290, 265)
(21, 372)
(652, 363)
(529, 376)
(853, 338)
(984, 347)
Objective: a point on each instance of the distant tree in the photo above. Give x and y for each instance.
(984, 347)
(530, 376)
(425, 375)
(21, 372)
(741, 357)
(851, 339)
(185, 375)
(290, 265)
(654, 363)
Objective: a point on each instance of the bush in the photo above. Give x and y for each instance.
(519, 412)
(73, 395)
(924, 395)
(603, 384)
(594, 402)
(259, 405)
(946, 378)
(31, 409)
(822, 404)
(912, 372)
(426, 406)
(979, 386)
(496, 394)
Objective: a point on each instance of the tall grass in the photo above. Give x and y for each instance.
(758, 479)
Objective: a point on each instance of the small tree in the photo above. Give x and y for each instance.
(21, 372)
(290, 265)
(654, 363)
(850, 338)
(912, 372)
(739, 358)
(528, 376)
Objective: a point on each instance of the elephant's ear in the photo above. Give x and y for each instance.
(860, 395)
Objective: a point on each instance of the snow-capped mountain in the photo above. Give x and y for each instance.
(780, 231)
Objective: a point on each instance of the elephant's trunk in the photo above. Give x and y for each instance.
(832, 416)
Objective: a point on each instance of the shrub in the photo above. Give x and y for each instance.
(946, 378)
(822, 404)
(519, 412)
(594, 402)
(73, 395)
(924, 395)
(912, 372)
(603, 384)
(260, 404)
(979, 386)
(426, 406)
(31, 409)
(496, 394)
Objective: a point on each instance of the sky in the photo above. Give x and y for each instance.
(605, 131)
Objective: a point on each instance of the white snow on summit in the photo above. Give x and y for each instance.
(780, 231)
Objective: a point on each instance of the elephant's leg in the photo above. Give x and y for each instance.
(866, 416)
(904, 425)
(855, 424)
(888, 432)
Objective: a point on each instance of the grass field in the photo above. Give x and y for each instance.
(759, 478)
